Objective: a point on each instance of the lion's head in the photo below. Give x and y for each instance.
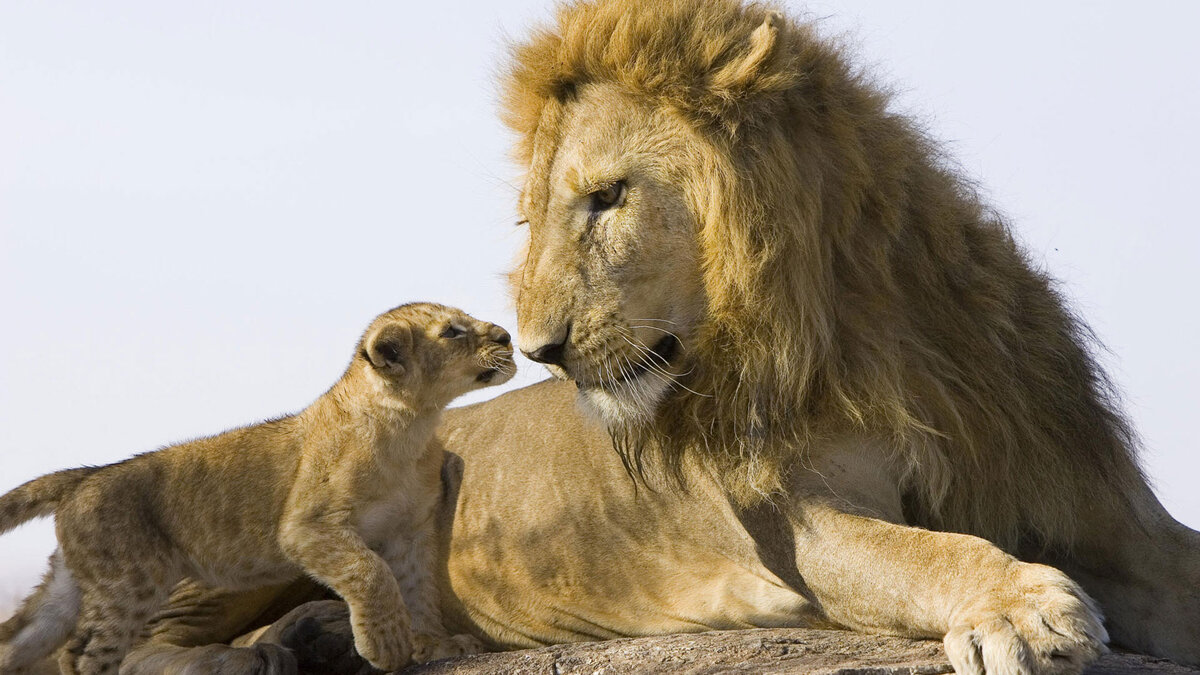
(736, 250)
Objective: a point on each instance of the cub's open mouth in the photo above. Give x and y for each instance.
(487, 375)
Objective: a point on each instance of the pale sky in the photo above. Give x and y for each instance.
(203, 204)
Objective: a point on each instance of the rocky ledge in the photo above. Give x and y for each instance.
(766, 651)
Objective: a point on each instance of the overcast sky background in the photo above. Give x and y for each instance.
(203, 204)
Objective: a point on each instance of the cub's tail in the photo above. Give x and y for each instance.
(40, 496)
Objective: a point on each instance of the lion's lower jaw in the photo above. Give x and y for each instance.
(629, 404)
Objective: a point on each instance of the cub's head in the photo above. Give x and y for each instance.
(431, 354)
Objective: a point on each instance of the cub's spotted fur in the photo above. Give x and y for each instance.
(343, 491)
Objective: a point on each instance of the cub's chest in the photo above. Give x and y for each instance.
(397, 515)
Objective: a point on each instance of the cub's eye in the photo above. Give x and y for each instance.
(451, 331)
(608, 197)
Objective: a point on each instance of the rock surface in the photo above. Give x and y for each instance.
(766, 651)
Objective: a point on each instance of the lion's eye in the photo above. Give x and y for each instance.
(608, 197)
(451, 331)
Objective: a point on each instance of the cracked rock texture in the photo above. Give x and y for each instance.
(766, 651)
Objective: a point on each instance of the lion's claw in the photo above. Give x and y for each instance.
(1043, 624)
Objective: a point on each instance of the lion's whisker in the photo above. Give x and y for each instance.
(660, 320)
(664, 374)
(639, 345)
(661, 330)
(648, 352)
(638, 395)
(617, 379)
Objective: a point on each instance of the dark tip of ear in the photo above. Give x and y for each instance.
(564, 91)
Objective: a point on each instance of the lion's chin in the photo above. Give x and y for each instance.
(625, 405)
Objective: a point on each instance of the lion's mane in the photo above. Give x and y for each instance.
(855, 281)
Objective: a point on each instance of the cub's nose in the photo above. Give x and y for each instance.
(499, 336)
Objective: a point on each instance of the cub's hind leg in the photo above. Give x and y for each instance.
(112, 617)
(119, 590)
(44, 621)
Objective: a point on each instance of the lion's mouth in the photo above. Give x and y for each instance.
(659, 356)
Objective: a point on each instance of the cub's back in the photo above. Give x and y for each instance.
(217, 500)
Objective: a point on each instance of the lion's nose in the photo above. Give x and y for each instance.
(552, 352)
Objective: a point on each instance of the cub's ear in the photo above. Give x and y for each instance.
(390, 348)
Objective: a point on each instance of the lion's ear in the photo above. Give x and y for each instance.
(749, 70)
(390, 348)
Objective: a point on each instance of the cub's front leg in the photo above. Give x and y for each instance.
(333, 553)
(413, 562)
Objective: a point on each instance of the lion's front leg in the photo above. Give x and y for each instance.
(995, 613)
(843, 536)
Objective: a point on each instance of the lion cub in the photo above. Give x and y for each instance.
(343, 491)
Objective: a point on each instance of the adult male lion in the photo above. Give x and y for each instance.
(809, 340)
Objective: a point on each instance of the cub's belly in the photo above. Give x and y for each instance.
(251, 569)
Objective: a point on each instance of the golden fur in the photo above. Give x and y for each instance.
(854, 279)
(751, 270)
(343, 491)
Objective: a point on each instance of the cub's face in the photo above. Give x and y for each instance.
(436, 353)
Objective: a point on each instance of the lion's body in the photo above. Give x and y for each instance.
(858, 279)
(537, 570)
(867, 404)
(574, 551)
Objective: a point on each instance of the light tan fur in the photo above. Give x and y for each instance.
(826, 275)
(344, 492)
(884, 418)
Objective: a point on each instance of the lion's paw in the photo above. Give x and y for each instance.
(429, 647)
(384, 644)
(1039, 623)
(319, 635)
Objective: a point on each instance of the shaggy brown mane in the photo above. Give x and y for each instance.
(855, 281)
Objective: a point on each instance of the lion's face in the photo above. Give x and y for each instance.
(612, 273)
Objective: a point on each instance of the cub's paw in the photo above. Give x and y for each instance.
(428, 647)
(1038, 623)
(384, 644)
